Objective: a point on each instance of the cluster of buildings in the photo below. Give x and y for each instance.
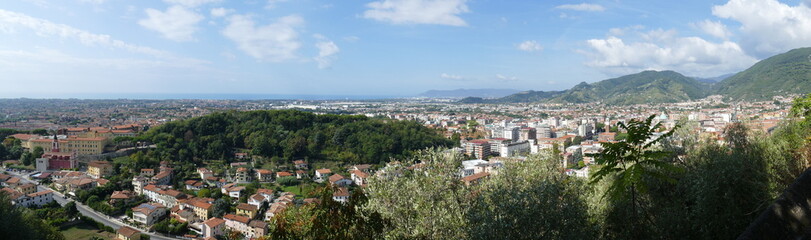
(250, 218)
(24, 194)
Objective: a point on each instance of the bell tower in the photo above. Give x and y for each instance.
(55, 144)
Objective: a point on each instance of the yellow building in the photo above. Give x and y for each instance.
(245, 209)
(27, 188)
(99, 169)
(80, 146)
(127, 233)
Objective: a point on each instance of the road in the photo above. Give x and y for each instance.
(87, 211)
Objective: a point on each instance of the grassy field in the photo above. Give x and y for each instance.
(84, 231)
(301, 191)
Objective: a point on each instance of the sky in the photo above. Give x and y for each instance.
(67, 48)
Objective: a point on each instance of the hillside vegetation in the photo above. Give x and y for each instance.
(782, 74)
(290, 134)
(787, 73)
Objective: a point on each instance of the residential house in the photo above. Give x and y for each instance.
(27, 188)
(213, 227)
(301, 174)
(127, 233)
(99, 169)
(27, 200)
(235, 192)
(301, 164)
(148, 213)
(475, 178)
(339, 180)
(257, 228)
(245, 209)
(15, 196)
(194, 185)
(125, 197)
(322, 174)
(341, 194)
(242, 175)
(147, 172)
(163, 195)
(282, 174)
(359, 177)
(77, 184)
(163, 178)
(275, 208)
(249, 228)
(367, 168)
(200, 206)
(138, 184)
(205, 173)
(262, 195)
(264, 175)
(215, 182)
(182, 214)
(12, 182)
(237, 223)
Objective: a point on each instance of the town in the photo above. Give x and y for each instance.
(90, 155)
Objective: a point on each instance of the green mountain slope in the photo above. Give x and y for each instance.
(525, 96)
(643, 87)
(781, 74)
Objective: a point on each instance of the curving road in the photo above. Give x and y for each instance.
(87, 211)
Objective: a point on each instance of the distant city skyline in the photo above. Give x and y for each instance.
(375, 48)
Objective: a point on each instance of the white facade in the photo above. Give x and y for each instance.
(513, 149)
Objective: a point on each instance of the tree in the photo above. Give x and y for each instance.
(204, 193)
(22, 223)
(542, 203)
(220, 208)
(70, 209)
(287, 181)
(629, 162)
(40, 131)
(425, 203)
(802, 107)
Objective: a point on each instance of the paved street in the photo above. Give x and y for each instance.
(87, 211)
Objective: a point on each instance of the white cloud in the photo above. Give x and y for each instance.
(665, 50)
(221, 12)
(93, 1)
(622, 31)
(271, 4)
(190, 3)
(714, 28)
(586, 7)
(441, 12)
(326, 53)
(451, 76)
(351, 38)
(9, 20)
(503, 78)
(277, 41)
(177, 23)
(767, 26)
(529, 46)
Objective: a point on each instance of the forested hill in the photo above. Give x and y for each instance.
(290, 134)
(639, 88)
(782, 74)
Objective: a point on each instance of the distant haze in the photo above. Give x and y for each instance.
(461, 93)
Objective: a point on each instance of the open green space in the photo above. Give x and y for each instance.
(85, 231)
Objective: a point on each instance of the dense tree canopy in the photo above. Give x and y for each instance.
(290, 134)
(21, 223)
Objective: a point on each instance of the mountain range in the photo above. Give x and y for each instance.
(787, 73)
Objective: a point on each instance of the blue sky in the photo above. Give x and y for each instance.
(376, 47)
